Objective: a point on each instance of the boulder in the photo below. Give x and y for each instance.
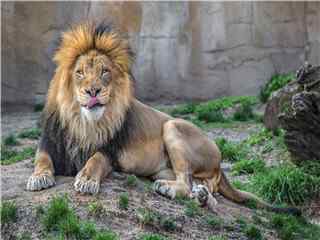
(278, 102)
(301, 119)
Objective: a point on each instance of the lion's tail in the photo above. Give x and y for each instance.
(235, 195)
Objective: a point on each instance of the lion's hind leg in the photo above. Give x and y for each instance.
(192, 156)
(181, 167)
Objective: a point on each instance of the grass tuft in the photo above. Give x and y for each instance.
(248, 166)
(123, 201)
(106, 235)
(293, 228)
(11, 140)
(230, 151)
(8, 212)
(183, 109)
(96, 209)
(57, 211)
(214, 221)
(192, 208)
(131, 181)
(215, 107)
(212, 116)
(69, 226)
(168, 223)
(10, 156)
(87, 230)
(244, 112)
(146, 216)
(275, 83)
(60, 220)
(259, 138)
(32, 133)
(253, 232)
(285, 184)
(24, 236)
(217, 238)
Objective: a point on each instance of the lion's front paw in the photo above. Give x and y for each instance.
(85, 184)
(39, 182)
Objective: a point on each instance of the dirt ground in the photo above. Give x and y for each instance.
(123, 222)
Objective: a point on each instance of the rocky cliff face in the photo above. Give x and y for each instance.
(184, 51)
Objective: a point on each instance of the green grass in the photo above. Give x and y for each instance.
(146, 216)
(249, 229)
(151, 217)
(60, 221)
(285, 184)
(10, 140)
(310, 167)
(58, 210)
(259, 138)
(217, 238)
(214, 221)
(212, 116)
(167, 223)
(248, 166)
(24, 236)
(183, 109)
(244, 112)
(131, 181)
(95, 209)
(204, 110)
(87, 230)
(230, 151)
(275, 83)
(123, 201)
(239, 185)
(212, 111)
(151, 236)
(32, 133)
(293, 228)
(69, 226)
(192, 208)
(8, 212)
(9, 156)
(253, 232)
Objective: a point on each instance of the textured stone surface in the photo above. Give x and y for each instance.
(184, 50)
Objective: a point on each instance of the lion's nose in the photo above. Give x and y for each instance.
(93, 92)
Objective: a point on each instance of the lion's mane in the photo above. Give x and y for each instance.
(62, 122)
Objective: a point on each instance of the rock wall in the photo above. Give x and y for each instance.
(184, 50)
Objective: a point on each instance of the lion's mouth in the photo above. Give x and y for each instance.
(93, 103)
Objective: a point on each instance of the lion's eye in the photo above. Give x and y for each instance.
(79, 73)
(105, 71)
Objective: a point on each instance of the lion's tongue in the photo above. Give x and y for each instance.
(92, 102)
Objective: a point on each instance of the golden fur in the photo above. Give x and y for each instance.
(94, 64)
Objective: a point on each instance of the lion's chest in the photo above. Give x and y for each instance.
(144, 158)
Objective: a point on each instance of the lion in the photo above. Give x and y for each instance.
(93, 124)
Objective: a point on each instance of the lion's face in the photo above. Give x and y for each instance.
(93, 76)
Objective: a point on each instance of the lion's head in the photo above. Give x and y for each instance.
(92, 86)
